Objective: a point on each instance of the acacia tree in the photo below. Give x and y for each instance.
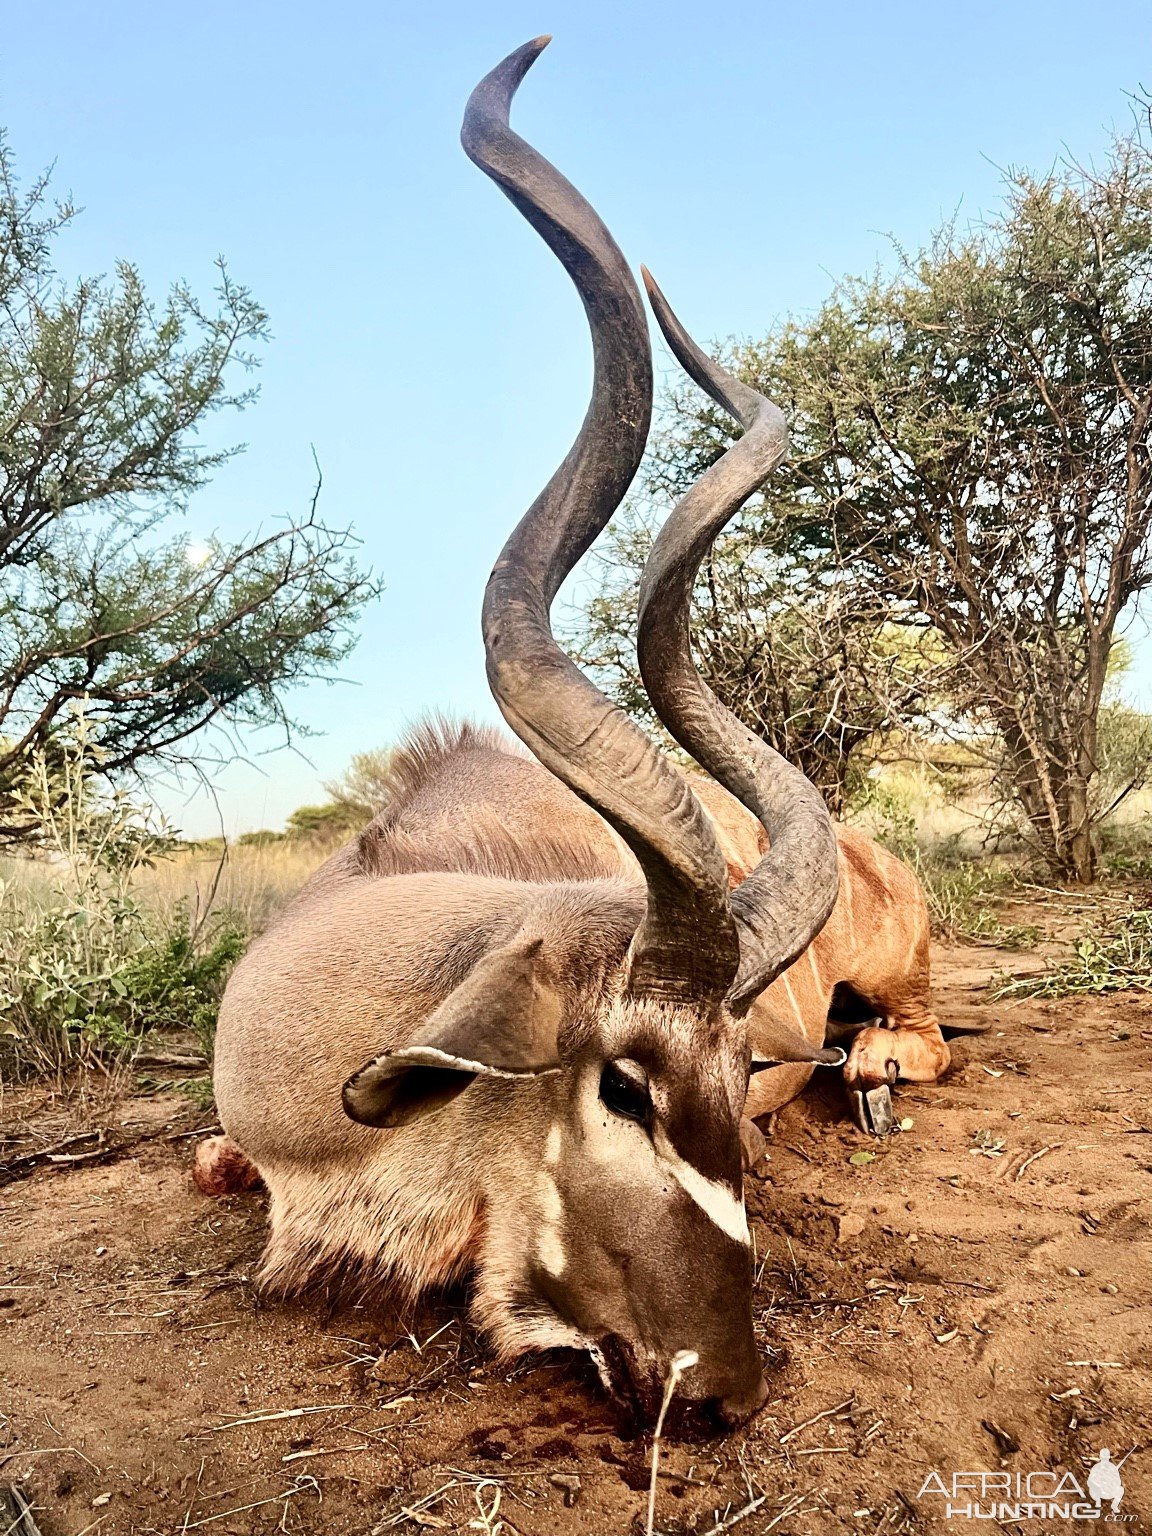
(973, 436)
(783, 639)
(365, 786)
(102, 394)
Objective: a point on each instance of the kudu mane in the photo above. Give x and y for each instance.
(417, 832)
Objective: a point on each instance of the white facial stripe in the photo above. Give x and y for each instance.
(846, 892)
(551, 1253)
(552, 1145)
(549, 1242)
(551, 1205)
(716, 1200)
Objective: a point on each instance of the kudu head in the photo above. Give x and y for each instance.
(628, 1233)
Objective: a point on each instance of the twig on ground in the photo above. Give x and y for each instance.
(169, 1059)
(729, 1521)
(1043, 1152)
(304, 1484)
(282, 1413)
(828, 1413)
(23, 1167)
(331, 1450)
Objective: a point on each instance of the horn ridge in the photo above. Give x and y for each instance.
(687, 944)
(789, 896)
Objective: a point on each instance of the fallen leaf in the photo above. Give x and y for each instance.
(859, 1159)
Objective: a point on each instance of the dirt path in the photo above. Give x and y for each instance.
(936, 1308)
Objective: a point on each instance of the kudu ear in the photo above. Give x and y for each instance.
(775, 1044)
(501, 1021)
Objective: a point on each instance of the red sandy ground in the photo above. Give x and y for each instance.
(931, 1309)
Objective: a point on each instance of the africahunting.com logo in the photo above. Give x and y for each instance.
(1050, 1495)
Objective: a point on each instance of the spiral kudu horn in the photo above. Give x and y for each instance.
(786, 900)
(687, 946)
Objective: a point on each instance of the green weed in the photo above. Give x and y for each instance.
(1115, 957)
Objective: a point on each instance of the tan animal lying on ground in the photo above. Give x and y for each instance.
(509, 1030)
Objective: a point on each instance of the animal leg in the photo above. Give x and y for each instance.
(913, 1049)
(919, 1054)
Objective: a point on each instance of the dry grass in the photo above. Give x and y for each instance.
(252, 882)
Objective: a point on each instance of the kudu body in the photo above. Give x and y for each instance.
(543, 980)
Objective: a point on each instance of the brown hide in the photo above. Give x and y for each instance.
(477, 843)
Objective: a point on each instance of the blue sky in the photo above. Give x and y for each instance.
(424, 340)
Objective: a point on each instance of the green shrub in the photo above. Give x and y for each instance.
(86, 971)
(1114, 957)
(176, 980)
(1126, 850)
(959, 897)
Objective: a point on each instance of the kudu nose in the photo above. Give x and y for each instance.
(738, 1407)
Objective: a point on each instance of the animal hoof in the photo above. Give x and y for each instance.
(872, 1107)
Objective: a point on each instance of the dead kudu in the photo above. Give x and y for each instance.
(543, 981)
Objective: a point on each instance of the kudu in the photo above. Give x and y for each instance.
(544, 980)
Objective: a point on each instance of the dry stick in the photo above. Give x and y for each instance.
(94, 1525)
(683, 1360)
(729, 1521)
(195, 1496)
(14, 1504)
(280, 1498)
(168, 1059)
(284, 1413)
(334, 1450)
(49, 1450)
(109, 1152)
(1055, 1147)
(27, 1159)
(407, 1511)
(816, 1417)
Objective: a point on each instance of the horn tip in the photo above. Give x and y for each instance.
(489, 103)
(673, 331)
(523, 58)
(651, 286)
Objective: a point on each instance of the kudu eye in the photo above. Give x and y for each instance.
(624, 1090)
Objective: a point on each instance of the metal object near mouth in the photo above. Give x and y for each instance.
(872, 1107)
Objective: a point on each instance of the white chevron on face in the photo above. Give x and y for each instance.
(716, 1200)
